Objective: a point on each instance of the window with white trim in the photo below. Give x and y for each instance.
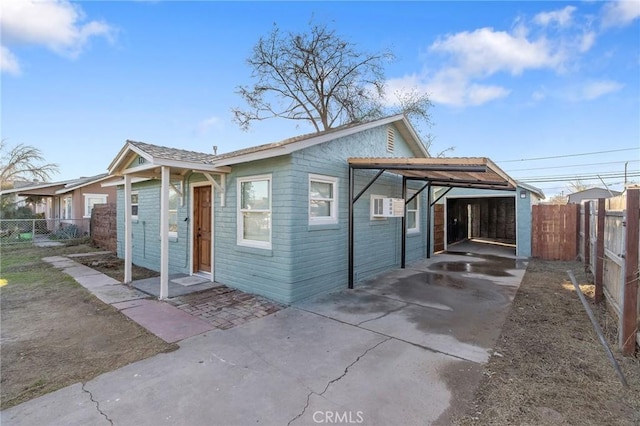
(376, 207)
(413, 213)
(254, 211)
(174, 202)
(323, 200)
(91, 200)
(67, 207)
(134, 205)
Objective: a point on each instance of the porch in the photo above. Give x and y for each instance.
(179, 285)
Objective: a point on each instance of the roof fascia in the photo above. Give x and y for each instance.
(279, 150)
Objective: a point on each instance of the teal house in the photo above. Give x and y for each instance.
(290, 219)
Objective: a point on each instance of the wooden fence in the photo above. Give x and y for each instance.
(608, 246)
(555, 232)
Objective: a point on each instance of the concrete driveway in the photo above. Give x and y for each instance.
(405, 348)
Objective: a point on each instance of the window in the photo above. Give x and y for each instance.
(134, 205)
(67, 207)
(254, 211)
(323, 202)
(174, 202)
(377, 207)
(91, 200)
(413, 213)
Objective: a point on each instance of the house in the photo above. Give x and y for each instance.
(498, 216)
(67, 202)
(591, 194)
(290, 219)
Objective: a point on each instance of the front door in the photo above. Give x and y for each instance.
(202, 229)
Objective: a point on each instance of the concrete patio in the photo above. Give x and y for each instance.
(404, 348)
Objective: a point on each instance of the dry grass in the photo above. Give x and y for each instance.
(55, 333)
(550, 367)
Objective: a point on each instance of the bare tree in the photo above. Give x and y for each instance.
(316, 77)
(577, 186)
(23, 162)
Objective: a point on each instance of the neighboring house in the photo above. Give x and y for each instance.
(69, 201)
(591, 194)
(289, 219)
(501, 216)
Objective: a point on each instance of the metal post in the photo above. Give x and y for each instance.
(351, 192)
(403, 242)
(428, 221)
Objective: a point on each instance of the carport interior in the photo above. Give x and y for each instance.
(479, 173)
(492, 218)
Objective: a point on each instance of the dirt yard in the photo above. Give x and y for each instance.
(549, 366)
(109, 264)
(55, 333)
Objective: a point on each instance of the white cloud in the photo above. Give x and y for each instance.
(596, 89)
(8, 62)
(562, 17)
(205, 125)
(620, 13)
(57, 25)
(484, 52)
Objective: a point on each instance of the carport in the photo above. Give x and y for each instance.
(477, 173)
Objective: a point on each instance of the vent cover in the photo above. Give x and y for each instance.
(391, 136)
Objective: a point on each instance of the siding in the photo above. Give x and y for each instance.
(304, 260)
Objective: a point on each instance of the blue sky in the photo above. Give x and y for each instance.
(508, 80)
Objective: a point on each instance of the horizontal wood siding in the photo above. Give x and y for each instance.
(320, 252)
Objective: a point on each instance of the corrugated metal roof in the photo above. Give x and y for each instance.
(464, 172)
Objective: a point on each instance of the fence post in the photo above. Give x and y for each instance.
(587, 234)
(33, 232)
(599, 296)
(630, 303)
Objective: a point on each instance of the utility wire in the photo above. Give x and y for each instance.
(569, 155)
(572, 165)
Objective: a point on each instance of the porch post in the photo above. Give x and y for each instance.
(164, 233)
(128, 244)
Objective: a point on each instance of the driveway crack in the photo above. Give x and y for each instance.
(97, 404)
(383, 315)
(326, 388)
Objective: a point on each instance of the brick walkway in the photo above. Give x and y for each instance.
(224, 307)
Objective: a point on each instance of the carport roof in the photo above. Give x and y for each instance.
(465, 172)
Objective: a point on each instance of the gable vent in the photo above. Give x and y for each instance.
(391, 136)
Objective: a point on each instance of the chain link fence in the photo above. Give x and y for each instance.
(43, 232)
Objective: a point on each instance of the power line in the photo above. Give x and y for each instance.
(572, 165)
(569, 155)
(572, 178)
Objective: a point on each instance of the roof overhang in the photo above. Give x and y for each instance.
(151, 168)
(479, 172)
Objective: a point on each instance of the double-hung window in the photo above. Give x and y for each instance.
(254, 211)
(174, 202)
(413, 214)
(67, 207)
(91, 200)
(134, 205)
(323, 200)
